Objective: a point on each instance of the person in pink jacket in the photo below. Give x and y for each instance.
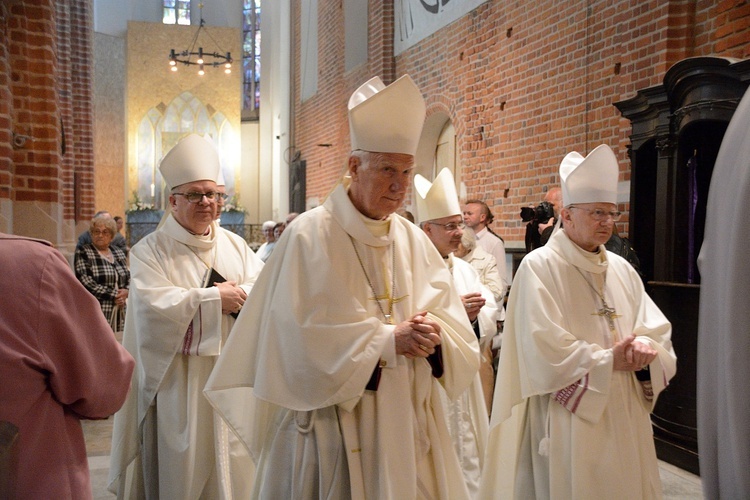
(59, 363)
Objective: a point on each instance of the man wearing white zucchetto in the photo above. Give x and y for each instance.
(350, 330)
(585, 354)
(188, 279)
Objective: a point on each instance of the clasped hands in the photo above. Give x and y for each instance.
(417, 337)
(121, 297)
(632, 356)
(232, 297)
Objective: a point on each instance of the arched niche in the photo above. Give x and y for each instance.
(163, 126)
(437, 148)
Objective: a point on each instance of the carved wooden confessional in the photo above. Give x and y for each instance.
(677, 130)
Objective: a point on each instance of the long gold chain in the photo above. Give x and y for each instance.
(388, 295)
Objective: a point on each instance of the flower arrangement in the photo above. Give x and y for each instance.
(233, 205)
(138, 205)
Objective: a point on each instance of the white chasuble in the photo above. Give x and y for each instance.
(468, 421)
(564, 423)
(315, 330)
(175, 330)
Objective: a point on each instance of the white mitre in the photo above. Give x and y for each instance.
(590, 180)
(386, 119)
(192, 159)
(436, 199)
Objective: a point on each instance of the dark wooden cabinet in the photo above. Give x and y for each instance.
(677, 129)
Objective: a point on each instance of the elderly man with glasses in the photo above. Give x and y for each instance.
(439, 213)
(189, 279)
(585, 354)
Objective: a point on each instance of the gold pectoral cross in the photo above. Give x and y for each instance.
(609, 313)
(391, 301)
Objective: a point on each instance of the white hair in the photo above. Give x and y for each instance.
(469, 239)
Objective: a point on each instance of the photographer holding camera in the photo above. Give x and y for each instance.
(541, 220)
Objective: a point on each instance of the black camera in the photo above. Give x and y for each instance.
(541, 214)
(533, 217)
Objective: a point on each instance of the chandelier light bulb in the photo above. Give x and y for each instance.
(174, 68)
(228, 70)
(200, 70)
(200, 56)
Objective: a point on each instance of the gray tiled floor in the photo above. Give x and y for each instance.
(677, 483)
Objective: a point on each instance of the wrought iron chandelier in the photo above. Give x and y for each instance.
(202, 59)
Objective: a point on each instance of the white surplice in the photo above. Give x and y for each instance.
(175, 330)
(564, 423)
(468, 420)
(308, 344)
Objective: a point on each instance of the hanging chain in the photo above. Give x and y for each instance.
(388, 295)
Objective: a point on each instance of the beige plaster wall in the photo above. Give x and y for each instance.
(109, 124)
(250, 173)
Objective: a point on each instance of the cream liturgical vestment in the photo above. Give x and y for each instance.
(307, 343)
(175, 330)
(564, 423)
(468, 421)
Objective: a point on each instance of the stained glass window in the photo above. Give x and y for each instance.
(176, 12)
(251, 56)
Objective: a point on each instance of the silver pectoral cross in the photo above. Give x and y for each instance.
(610, 313)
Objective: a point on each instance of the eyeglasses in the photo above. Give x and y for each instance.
(101, 232)
(194, 197)
(600, 215)
(451, 226)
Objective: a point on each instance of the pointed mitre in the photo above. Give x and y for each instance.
(590, 180)
(192, 159)
(436, 199)
(386, 119)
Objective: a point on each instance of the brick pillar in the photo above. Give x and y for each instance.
(6, 106)
(46, 119)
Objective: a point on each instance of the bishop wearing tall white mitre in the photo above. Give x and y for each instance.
(350, 330)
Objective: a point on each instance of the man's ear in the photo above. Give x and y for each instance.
(565, 215)
(354, 164)
(172, 200)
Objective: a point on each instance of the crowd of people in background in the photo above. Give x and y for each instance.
(357, 353)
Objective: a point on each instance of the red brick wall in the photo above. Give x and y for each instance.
(324, 116)
(76, 100)
(6, 151)
(45, 83)
(523, 86)
(36, 165)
